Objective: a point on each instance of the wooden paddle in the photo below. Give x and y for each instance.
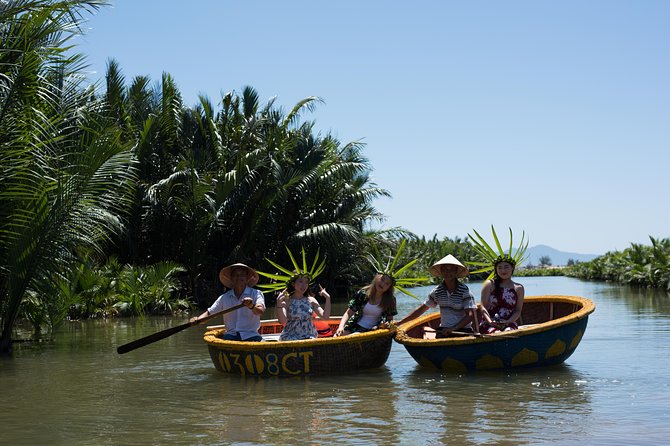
(498, 334)
(125, 348)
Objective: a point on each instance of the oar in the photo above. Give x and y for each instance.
(465, 333)
(125, 348)
(498, 334)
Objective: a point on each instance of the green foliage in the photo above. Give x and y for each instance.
(281, 278)
(539, 272)
(386, 264)
(639, 265)
(424, 251)
(490, 256)
(238, 184)
(66, 175)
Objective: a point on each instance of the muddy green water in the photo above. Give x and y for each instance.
(613, 390)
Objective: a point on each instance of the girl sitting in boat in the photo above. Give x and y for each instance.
(375, 305)
(371, 306)
(501, 298)
(295, 308)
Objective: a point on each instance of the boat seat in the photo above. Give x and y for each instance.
(273, 337)
(429, 333)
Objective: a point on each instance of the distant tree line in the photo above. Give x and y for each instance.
(128, 201)
(639, 265)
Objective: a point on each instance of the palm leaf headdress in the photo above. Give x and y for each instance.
(286, 275)
(494, 256)
(387, 269)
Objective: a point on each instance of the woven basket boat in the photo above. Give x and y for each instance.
(551, 328)
(321, 356)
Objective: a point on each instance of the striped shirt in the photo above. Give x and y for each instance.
(452, 305)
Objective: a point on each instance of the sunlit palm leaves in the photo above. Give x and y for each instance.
(66, 175)
(640, 265)
(388, 265)
(283, 275)
(490, 254)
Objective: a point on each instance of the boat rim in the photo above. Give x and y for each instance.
(212, 339)
(587, 307)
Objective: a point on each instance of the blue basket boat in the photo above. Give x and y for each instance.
(550, 330)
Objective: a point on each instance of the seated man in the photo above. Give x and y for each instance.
(456, 302)
(243, 323)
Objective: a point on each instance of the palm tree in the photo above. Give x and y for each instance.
(66, 174)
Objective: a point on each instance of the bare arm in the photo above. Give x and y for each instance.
(197, 318)
(486, 293)
(325, 312)
(418, 311)
(282, 303)
(343, 322)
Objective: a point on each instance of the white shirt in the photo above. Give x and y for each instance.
(371, 315)
(243, 320)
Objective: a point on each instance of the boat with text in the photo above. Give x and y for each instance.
(319, 356)
(550, 329)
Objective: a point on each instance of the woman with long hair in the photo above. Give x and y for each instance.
(371, 306)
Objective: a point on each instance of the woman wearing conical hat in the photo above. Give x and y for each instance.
(456, 302)
(242, 324)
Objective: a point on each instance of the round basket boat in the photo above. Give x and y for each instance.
(550, 330)
(320, 356)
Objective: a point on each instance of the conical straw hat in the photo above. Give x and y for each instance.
(448, 260)
(226, 279)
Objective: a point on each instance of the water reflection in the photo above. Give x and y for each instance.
(352, 409)
(495, 406)
(612, 390)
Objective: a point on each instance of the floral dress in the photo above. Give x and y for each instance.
(299, 324)
(503, 303)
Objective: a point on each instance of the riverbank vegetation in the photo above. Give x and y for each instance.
(638, 265)
(133, 173)
(124, 200)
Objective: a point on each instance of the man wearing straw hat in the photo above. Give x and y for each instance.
(456, 302)
(243, 323)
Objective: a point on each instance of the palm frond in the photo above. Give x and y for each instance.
(492, 256)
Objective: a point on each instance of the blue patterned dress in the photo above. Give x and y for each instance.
(299, 324)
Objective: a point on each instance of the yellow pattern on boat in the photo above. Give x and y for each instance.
(557, 348)
(489, 362)
(426, 363)
(576, 340)
(525, 357)
(454, 364)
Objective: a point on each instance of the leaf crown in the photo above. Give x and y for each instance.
(284, 276)
(504, 258)
(385, 266)
(494, 256)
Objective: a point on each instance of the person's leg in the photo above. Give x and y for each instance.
(254, 339)
(232, 337)
(358, 329)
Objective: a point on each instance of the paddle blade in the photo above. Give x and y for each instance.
(125, 348)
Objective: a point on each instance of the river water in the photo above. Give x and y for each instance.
(613, 390)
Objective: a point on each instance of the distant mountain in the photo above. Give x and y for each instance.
(558, 258)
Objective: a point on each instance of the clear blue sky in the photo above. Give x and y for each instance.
(544, 116)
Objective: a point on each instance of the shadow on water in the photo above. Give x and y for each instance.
(495, 407)
(77, 390)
